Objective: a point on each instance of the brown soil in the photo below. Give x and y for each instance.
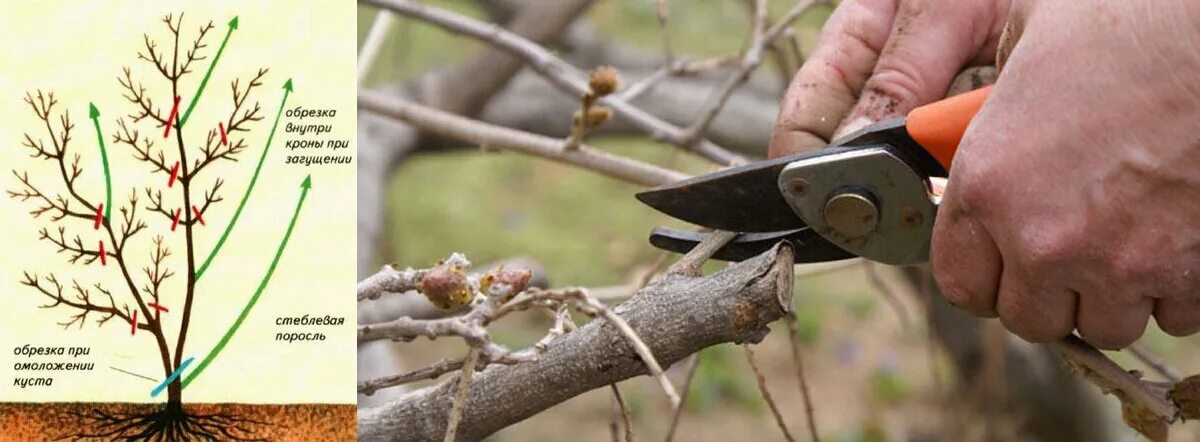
(290, 422)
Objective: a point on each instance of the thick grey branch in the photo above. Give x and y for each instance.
(677, 316)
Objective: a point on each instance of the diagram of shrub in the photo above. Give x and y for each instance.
(149, 288)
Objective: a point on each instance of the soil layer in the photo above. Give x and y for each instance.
(20, 421)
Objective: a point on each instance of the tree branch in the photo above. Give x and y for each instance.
(496, 137)
(683, 314)
(567, 78)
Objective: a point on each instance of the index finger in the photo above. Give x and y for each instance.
(829, 83)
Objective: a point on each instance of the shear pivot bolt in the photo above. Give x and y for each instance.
(851, 215)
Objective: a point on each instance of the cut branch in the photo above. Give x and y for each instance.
(683, 314)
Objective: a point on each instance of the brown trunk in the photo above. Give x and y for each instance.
(175, 394)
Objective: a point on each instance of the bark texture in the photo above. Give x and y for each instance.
(676, 315)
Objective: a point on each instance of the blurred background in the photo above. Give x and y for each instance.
(884, 358)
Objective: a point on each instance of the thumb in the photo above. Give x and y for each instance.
(927, 48)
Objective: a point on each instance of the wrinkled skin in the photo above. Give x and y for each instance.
(1074, 200)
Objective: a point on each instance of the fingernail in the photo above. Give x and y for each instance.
(852, 125)
(792, 141)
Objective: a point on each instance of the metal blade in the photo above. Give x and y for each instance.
(807, 245)
(740, 199)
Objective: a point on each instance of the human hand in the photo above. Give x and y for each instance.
(879, 59)
(1071, 203)
(1074, 198)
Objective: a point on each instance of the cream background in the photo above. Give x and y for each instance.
(77, 50)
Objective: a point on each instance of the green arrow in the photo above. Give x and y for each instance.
(287, 87)
(94, 114)
(306, 185)
(233, 25)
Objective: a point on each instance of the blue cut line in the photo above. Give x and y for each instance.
(171, 378)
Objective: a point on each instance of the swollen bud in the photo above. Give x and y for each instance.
(446, 286)
(596, 116)
(604, 80)
(505, 283)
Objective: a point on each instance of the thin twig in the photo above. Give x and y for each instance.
(762, 388)
(429, 372)
(460, 397)
(677, 412)
(1151, 360)
(389, 280)
(888, 295)
(797, 360)
(626, 420)
(374, 43)
(640, 347)
(662, 11)
(561, 74)
(691, 262)
(1110, 377)
(750, 62)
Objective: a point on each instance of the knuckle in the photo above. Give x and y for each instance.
(974, 183)
(1044, 245)
(1178, 324)
(1129, 267)
(896, 84)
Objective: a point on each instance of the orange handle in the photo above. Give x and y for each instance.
(939, 126)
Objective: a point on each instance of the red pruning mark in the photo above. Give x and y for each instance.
(156, 307)
(103, 254)
(197, 213)
(175, 222)
(99, 216)
(224, 140)
(174, 116)
(133, 324)
(174, 174)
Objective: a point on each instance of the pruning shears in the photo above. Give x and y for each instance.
(868, 194)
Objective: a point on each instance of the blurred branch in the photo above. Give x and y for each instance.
(693, 362)
(888, 295)
(567, 78)
(623, 411)
(662, 12)
(760, 39)
(794, 341)
(1112, 378)
(497, 137)
(766, 393)
(1151, 360)
(460, 397)
(371, 46)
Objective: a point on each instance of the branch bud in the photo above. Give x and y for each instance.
(604, 80)
(504, 283)
(596, 117)
(446, 286)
